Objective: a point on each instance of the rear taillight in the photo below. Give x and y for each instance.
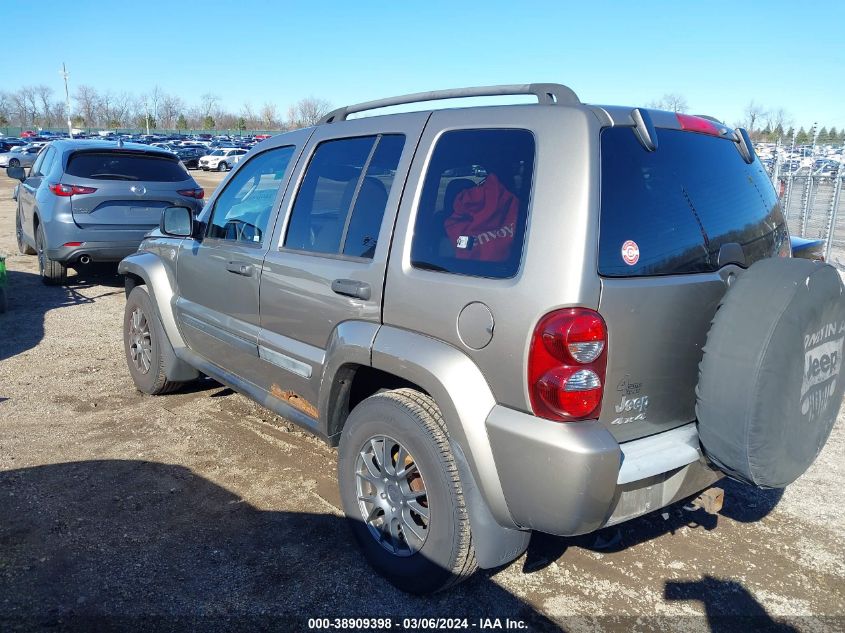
(701, 125)
(566, 365)
(65, 191)
(199, 194)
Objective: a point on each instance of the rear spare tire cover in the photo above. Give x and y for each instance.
(770, 381)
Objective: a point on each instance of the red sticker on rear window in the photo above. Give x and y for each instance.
(630, 252)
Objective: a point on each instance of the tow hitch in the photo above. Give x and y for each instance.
(711, 501)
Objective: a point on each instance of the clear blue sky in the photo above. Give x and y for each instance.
(781, 54)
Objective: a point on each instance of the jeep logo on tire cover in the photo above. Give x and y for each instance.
(821, 367)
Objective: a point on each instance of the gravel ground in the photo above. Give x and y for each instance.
(203, 511)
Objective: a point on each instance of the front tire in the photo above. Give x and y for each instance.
(52, 272)
(402, 493)
(222, 167)
(14, 163)
(142, 340)
(23, 247)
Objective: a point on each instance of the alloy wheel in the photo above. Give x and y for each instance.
(140, 341)
(392, 496)
(19, 230)
(39, 246)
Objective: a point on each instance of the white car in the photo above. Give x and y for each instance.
(221, 159)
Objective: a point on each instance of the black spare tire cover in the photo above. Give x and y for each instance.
(770, 382)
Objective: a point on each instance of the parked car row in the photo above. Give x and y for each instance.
(821, 160)
(189, 149)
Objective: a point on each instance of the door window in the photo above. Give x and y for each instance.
(243, 209)
(343, 196)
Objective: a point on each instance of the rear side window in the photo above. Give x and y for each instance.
(126, 166)
(671, 210)
(474, 203)
(343, 196)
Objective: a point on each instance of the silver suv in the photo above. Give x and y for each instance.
(93, 201)
(502, 317)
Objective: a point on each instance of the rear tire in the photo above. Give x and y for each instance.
(142, 340)
(23, 247)
(405, 427)
(52, 272)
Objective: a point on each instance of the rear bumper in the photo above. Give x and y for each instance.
(570, 479)
(97, 251)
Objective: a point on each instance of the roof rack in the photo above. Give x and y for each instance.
(545, 93)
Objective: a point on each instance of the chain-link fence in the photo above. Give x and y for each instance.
(815, 208)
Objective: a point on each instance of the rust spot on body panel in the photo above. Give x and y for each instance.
(294, 400)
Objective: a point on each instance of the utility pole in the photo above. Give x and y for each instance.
(64, 74)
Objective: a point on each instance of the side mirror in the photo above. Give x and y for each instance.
(18, 173)
(177, 222)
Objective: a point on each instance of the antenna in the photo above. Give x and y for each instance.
(64, 73)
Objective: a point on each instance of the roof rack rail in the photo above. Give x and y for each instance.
(545, 93)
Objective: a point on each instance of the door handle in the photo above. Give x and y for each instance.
(240, 268)
(351, 288)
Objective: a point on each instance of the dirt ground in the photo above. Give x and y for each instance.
(203, 511)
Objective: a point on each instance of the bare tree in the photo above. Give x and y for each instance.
(87, 104)
(269, 118)
(225, 120)
(45, 95)
(209, 103)
(753, 114)
(58, 110)
(23, 114)
(106, 111)
(5, 107)
(777, 120)
(31, 97)
(121, 109)
(194, 117)
(672, 101)
(171, 107)
(675, 102)
(249, 116)
(154, 99)
(307, 112)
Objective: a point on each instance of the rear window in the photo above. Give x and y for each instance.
(126, 166)
(670, 211)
